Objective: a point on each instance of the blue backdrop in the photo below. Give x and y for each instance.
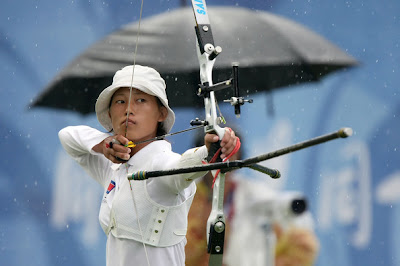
(49, 207)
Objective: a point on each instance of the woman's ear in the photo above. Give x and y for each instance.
(163, 113)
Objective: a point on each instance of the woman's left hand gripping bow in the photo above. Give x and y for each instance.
(229, 143)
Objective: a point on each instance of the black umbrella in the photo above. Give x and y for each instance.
(272, 52)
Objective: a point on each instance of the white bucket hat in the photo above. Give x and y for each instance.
(145, 79)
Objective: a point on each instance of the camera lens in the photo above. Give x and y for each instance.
(299, 206)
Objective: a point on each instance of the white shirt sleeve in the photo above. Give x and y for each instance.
(78, 142)
(178, 183)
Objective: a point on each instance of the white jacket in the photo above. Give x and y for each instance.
(162, 203)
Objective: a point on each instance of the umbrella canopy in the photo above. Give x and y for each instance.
(272, 52)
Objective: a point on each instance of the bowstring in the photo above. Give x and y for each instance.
(133, 68)
(126, 130)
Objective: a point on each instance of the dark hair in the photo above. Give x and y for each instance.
(160, 127)
(161, 130)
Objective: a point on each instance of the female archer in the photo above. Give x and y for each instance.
(145, 221)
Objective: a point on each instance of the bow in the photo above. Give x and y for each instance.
(207, 53)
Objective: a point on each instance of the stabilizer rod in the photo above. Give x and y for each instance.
(250, 162)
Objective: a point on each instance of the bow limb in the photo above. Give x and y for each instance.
(216, 223)
(206, 53)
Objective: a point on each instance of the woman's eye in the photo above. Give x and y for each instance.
(140, 100)
(120, 101)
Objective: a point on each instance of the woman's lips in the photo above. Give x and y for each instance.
(130, 122)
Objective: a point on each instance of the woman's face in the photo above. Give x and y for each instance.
(144, 114)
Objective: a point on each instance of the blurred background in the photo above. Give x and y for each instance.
(49, 207)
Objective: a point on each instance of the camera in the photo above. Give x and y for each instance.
(280, 208)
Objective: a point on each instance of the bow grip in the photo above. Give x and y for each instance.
(214, 151)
